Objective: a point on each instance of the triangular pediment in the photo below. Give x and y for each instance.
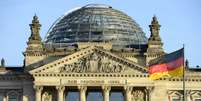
(91, 60)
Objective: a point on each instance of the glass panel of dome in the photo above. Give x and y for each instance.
(95, 20)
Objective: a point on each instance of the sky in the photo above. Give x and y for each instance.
(180, 22)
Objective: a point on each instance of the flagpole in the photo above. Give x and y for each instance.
(184, 78)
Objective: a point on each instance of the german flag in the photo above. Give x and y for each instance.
(169, 65)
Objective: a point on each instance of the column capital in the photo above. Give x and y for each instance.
(38, 88)
(149, 88)
(106, 88)
(82, 88)
(128, 88)
(82, 92)
(60, 88)
(38, 91)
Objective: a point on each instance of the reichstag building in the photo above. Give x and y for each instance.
(94, 53)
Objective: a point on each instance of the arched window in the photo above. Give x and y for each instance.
(175, 95)
(13, 96)
(195, 95)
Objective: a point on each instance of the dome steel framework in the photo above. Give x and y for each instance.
(96, 23)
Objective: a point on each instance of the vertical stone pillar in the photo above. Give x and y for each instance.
(25, 98)
(38, 91)
(148, 93)
(188, 95)
(4, 98)
(60, 92)
(128, 90)
(106, 93)
(82, 90)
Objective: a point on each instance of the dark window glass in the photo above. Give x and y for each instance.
(72, 96)
(176, 99)
(94, 96)
(116, 96)
(197, 99)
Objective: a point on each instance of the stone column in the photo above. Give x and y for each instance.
(106, 93)
(188, 95)
(82, 90)
(60, 92)
(25, 98)
(38, 91)
(148, 92)
(4, 98)
(128, 90)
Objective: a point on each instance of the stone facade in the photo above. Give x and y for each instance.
(49, 74)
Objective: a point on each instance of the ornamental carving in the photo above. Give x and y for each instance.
(38, 88)
(60, 88)
(137, 95)
(46, 96)
(106, 88)
(94, 63)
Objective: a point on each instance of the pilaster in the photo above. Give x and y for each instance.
(106, 93)
(38, 91)
(128, 90)
(82, 90)
(148, 91)
(60, 90)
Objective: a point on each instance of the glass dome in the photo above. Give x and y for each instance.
(96, 23)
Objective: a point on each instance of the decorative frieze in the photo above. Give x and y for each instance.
(90, 75)
(94, 63)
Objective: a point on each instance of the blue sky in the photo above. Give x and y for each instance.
(180, 20)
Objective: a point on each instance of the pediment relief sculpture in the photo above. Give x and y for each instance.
(94, 63)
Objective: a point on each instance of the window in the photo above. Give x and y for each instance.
(94, 96)
(116, 96)
(12, 99)
(72, 96)
(12, 96)
(197, 99)
(1, 97)
(174, 99)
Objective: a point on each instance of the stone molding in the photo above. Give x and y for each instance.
(90, 75)
(85, 52)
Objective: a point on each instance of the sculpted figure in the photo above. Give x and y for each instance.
(94, 57)
(47, 97)
(137, 95)
(102, 64)
(93, 63)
